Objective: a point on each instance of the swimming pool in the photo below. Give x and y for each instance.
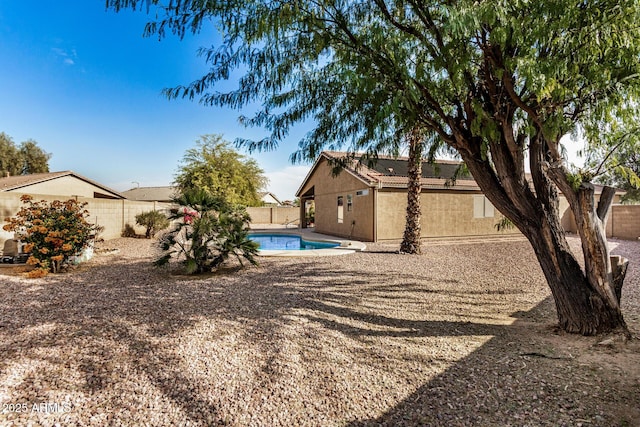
(288, 242)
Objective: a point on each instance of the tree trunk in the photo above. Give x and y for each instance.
(580, 307)
(411, 240)
(583, 304)
(603, 274)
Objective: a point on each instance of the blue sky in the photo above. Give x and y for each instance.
(85, 84)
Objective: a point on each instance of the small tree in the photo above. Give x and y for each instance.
(53, 232)
(154, 221)
(214, 166)
(208, 231)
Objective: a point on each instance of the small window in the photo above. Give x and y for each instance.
(349, 202)
(340, 209)
(482, 207)
(362, 192)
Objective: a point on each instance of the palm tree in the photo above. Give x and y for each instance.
(208, 231)
(411, 239)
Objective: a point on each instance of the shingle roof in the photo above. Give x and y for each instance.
(14, 182)
(17, 182)
(151, 194)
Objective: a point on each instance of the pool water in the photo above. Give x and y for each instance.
(288, 242)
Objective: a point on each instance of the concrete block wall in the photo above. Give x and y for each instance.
(110, 214)
(624, 221)
(273, 215)
(444, 214)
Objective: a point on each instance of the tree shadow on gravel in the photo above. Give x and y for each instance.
(128, 307)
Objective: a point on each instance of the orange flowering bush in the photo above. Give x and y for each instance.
(53, 232)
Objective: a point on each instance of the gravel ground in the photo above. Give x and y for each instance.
(460, 336)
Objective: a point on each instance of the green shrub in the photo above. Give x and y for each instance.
(53, 232)
(154, 221)
(208, 231)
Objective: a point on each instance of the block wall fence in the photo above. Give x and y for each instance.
(111, 214)
(274, 215)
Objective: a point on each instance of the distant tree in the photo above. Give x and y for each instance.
(9, 156)
(27, 158)
(217, 168)
(34, 159)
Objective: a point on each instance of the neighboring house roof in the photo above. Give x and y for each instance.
(20, 182)
(151, 194)
(390, 172)
(271, 198)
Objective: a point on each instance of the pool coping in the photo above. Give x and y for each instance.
(346, 246)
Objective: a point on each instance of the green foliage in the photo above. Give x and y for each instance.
(154, 221)
(615, 158)
(504, 224)
(215, 167)
(311, 214)
(364, 70)
(27, 158)
(208, 231)
(53, 232)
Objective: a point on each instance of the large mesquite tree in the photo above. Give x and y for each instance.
(498, 81)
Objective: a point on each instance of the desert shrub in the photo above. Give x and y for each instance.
(154, 221)
(208, 231)
(128, 231)
(53, 232)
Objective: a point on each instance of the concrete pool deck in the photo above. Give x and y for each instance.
(346, 246)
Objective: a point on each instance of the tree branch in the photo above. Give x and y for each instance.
(604, 205)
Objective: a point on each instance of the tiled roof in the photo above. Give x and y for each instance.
(392, 172)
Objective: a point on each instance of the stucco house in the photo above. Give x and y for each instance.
(65, 183)
(369, 203)
(106, 205)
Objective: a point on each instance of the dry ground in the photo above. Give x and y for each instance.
(462, 335)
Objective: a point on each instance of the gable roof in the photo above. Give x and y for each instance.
(266, 195)
(392, 172)
(151, 194)
(17, 182)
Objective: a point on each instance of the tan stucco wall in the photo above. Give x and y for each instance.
(111, 214)
(358, 223)
(273, 215)
(569, 222)
(65, 185)
(444, 214)
(625, 221)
